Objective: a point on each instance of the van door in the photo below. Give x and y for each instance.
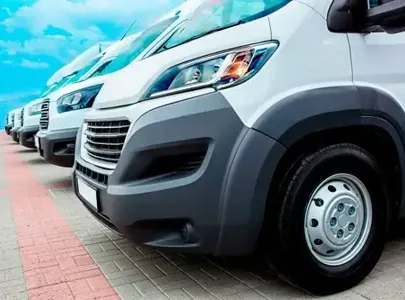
(377, 60)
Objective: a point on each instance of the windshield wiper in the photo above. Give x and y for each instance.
(215, 29)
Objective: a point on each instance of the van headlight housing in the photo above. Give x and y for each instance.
(216, 71)
(80, 99)
(35, 109)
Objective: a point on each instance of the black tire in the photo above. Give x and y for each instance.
(285, 247)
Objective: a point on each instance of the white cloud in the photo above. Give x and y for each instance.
(8, 97)
(76, 17)
(26, 63)
(59, 47)
(7, 10)
(79, 20)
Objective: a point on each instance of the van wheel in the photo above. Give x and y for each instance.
(328, 230)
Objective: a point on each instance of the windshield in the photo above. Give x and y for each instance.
(215, 15)
(134, 49)
(60, 84)
(45, 91)
(75, 78)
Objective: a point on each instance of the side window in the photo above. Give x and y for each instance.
(374, 3)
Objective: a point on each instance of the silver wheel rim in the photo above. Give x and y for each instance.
(338, 219)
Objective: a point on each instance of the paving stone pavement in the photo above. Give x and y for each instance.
(121, 268)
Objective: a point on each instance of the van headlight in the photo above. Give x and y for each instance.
(80, 99)
(35, 109)
(216, 71)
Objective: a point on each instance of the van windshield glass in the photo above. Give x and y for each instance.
(60, 84)
(83, 71)
(134, 49)
(45, 91)
(216, 15)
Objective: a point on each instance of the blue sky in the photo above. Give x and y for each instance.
(37, 37)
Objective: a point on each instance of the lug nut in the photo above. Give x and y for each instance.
(318, 242)
(351, 227)
(333, 222)
(352, 210)
(318, 202)
(340, 233)
(341, 207)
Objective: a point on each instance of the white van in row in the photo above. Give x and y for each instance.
(273, 126)
(11, 121)
(63, 111)
(16, 124)
(8, 122)
(63, 77)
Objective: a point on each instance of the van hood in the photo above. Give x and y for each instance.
(77, 86)
(128, 85)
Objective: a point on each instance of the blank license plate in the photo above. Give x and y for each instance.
(37, 142)
(89, 194)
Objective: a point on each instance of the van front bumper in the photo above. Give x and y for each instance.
(7, 129)
(14, 134)
(27, 136)
(190, 178)
(57, 147)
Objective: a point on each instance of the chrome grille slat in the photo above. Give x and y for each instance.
(101, 150)
(104, 140)
(108, 144)
(114, 160)
(104, 135)
(44, 119)
(112, 127)
(22, 117)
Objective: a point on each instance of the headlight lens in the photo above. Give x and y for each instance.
(35, 109)
(217, 71)
(78, 100)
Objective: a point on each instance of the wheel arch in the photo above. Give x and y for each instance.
(335, 109)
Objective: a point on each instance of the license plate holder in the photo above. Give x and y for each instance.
(36, 142)
(88, 193)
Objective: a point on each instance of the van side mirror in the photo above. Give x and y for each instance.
(389, 16)
(355, 16)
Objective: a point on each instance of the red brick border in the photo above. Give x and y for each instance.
(56, 265)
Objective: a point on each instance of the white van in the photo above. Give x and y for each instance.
(273, 126)
(29, 123)
(62, 77)
(59, 121)
(63, 111)
(8, 123)
(79, 62)
(16, 123)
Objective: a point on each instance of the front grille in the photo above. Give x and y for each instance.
(104, 140)
(44, 120)
(22, 117)
(100, 178)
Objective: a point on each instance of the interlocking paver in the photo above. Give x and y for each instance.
(72, 256)
(49, 256)
(12, 282)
